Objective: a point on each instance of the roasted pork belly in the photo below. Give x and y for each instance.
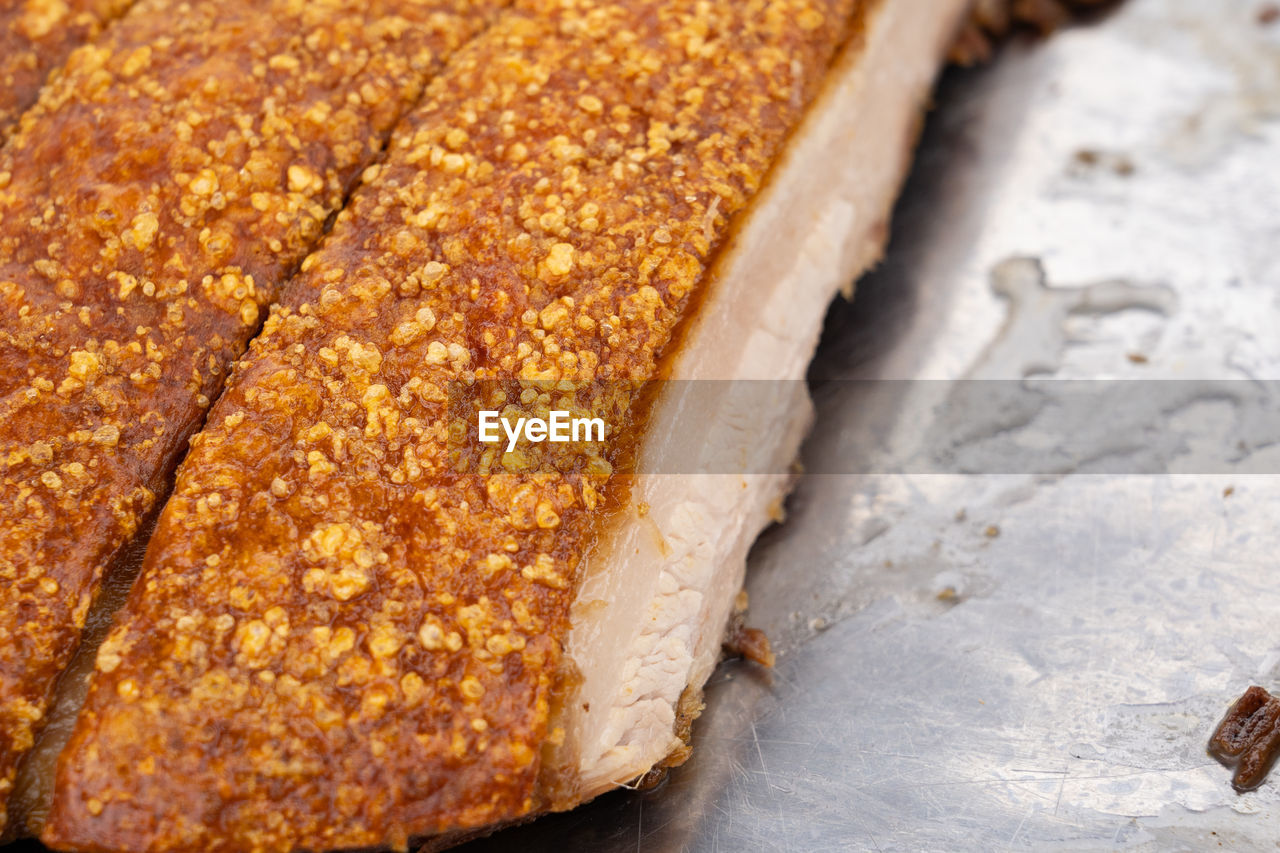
(658, 585)
(168, 180)
(36, 36)
(356, 624)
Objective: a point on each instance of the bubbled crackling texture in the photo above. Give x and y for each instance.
(348, 624)
(346, 633)
(167, 181)
(35, 38)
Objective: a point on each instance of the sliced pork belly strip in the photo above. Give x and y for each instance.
(35, 38)
(659, 583)
(343, 634)
(169, 178)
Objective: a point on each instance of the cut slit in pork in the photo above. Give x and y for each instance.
(167, 181)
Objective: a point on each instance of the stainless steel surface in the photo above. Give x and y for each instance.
(991, 662)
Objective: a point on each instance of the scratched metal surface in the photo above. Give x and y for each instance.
(994, 662)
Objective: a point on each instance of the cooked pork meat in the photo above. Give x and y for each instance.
(355, 625)
(35, 38)
(657, 588)
(171, 176)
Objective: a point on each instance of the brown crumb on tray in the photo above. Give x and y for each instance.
(1089, 159)
(1248, 738)
(1045, 16)
(750, 643)
(993, 20)
(973, 46)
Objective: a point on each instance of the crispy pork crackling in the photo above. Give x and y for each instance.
(354, 626)
(170, 177)
(35, 38)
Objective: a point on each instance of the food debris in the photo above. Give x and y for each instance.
(1248, 738)
(1117, 162)
(993, 20)
(750, 643)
